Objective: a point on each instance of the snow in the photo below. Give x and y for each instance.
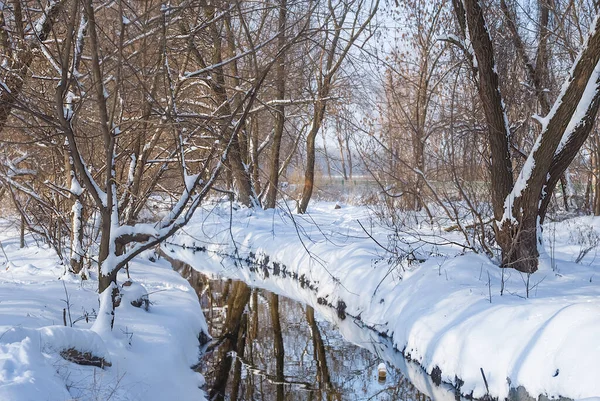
(586, 100)
(76, 246)
(150, 351)
(439, 311)
(75, 186)
(4, 87)
(132, 166)
(439, 304)
(576, 119)
(521, 181)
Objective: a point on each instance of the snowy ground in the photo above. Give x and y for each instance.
(150, 351)
(444, 310)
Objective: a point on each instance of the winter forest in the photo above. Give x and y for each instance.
(299, 200)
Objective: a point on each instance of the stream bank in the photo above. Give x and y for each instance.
(442, 307)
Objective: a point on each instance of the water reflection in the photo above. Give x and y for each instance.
(268, 347)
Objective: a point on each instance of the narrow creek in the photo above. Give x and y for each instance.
(269, 347)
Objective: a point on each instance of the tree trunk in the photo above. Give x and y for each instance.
(76, 259)
(242, 181)
(22, 233)
(237, 366)
(320, 356)
(273, 184)
(492, 103)
(518, 208)
(342, 155)
(349, 157)
(277, 346)
(309, 175)
(234, 323)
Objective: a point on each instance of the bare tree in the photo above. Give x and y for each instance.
(343, 26)
(563, 131)
(279, 109)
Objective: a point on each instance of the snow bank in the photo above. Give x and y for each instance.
(446, 313)
(150, 352)
(24, 375)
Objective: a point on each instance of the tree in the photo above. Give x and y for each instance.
(519, 204)
(127, 121)
(279, 109)
(342, 28)
(414, 77)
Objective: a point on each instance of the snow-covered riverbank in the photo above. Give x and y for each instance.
(443, 309)
(150, 352)
(440, 305)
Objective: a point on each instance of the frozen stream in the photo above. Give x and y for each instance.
(269, 347)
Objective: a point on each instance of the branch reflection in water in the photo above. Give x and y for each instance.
(269, 347)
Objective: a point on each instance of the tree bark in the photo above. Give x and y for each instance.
(517, 208)
(273, 184)
(309, 174)
(492, 103)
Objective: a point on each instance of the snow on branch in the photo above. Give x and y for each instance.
(570, 110)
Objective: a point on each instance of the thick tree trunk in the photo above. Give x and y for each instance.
(492, 103)
(519, 243)
(518, 208)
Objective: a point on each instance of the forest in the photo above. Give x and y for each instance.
(412, 149)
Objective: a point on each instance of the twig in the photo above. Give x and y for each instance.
(487, 389)
(68, 302)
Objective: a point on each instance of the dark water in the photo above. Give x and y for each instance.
(269, 347)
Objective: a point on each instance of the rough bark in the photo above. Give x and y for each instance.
(518, 230)
(518, 208)
(491, 99)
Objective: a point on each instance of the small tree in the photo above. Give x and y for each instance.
(341, 29)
